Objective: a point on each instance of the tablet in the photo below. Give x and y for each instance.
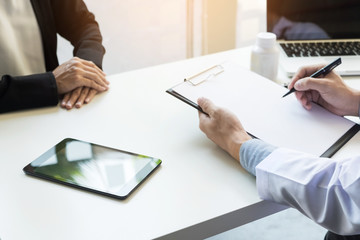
(94, 168)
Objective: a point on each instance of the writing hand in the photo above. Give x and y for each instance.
(331, 92)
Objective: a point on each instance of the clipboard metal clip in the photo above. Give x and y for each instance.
(205, 75)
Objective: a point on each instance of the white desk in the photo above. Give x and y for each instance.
(199, 189)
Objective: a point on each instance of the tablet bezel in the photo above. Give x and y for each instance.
(122, 194)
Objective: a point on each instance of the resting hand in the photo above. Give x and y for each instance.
(222, 127)
(331, 92)
(78, 97)
(79, 73)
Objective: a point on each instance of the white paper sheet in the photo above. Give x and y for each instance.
(259, 105)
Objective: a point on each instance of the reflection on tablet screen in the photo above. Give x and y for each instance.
(94, 167)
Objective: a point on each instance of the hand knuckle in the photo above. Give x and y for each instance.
(77, 64)
(72, 69)
(77, 78)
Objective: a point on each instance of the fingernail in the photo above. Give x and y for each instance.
(87, 100)
(78, 105)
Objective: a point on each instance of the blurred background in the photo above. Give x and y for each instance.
(143, 33)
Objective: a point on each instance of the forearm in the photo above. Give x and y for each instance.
(357, 100)
(317, 187)
(32, 91)
(323, 189)
(353, 102)
(252, 152)
(75, 23)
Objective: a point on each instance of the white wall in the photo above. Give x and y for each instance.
(137, 33)
(251, 19)
(141, 33)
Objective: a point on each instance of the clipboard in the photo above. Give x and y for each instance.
(226, 82)
(195, 80)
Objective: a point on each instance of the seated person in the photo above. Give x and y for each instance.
(323, 189)
(30, 73)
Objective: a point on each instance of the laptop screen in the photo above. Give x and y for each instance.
(314, 19)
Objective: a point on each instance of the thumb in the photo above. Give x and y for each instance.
(306, 84)
(206, 105)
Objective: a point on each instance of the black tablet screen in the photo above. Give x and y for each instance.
(93, 167)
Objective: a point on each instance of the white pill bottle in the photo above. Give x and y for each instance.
(265, 56)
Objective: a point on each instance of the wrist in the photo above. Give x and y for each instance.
(358, 101)
(236, 142)
(356, 108)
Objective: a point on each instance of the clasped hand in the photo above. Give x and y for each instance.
(79, 81)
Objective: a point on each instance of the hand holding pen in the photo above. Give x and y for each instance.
(321, 72)
(328, 90)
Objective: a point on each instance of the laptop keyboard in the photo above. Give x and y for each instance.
(321, 49)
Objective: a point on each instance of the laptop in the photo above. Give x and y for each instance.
(316, 31)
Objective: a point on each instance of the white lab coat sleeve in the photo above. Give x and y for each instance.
(325, 190)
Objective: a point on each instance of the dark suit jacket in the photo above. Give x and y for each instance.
(72, 20)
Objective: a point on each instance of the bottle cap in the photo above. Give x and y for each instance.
(266, 39)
